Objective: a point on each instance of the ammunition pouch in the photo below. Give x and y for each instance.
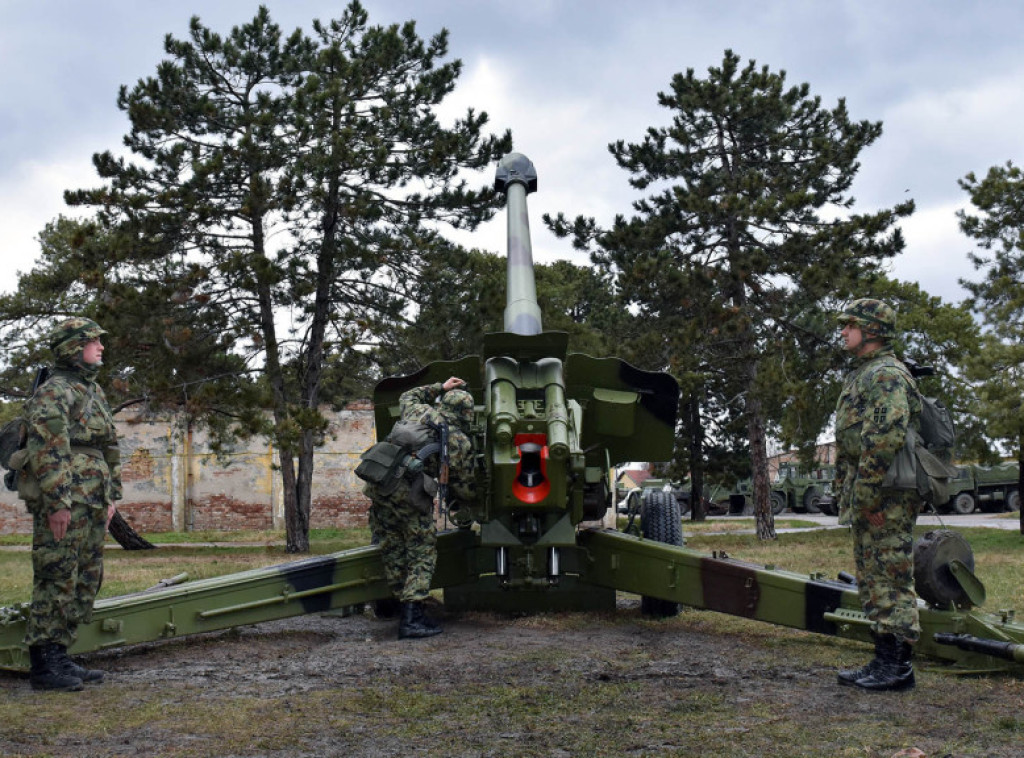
(18, 460)
(19, 479)
(383, 466)
(917, 469)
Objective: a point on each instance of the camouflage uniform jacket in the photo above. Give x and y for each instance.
(417, 405)
(72, 444)
(877, 405)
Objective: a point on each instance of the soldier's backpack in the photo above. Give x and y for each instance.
(13, 437)
(401, 454)
(923, 464)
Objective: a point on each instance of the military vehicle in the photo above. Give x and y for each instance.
(549, 425)
(628, 498)
(793, 489)
(991, 488)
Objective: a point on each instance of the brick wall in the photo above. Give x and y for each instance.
(173, 482)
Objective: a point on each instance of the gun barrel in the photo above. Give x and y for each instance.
(516, 177)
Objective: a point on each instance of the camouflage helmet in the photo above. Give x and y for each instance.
(870, 316)
(72, 334)
(458, 405)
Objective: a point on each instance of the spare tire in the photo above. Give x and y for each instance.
(661, 521)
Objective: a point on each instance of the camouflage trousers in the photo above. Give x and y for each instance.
(884, 557)
(66, 575)
(408, 545)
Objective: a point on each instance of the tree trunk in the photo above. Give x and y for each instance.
(127, 537)
(695, 428)
(761, 488)
(1020, 476)
(296, 518)
(312, 359)
(304, 481)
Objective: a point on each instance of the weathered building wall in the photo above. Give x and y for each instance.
(173, 482)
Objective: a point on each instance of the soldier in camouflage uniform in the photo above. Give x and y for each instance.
(403, 520)
(70, 482)
(877, 405)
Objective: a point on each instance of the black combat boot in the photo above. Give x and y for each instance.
(896, 671)
(47, 673)
(414, 623)
(849, 677)
(68, 666)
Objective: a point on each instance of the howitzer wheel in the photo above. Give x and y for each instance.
(933, 580)
(661, 521)
(778, 501)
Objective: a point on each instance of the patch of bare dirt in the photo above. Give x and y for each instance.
(748, 688)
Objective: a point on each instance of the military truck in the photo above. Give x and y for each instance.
(990, 488)
(793, 489)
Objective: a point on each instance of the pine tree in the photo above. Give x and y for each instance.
(746, 229)
(293, 186)
(998, 364)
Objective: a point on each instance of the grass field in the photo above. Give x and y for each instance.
(579, 684)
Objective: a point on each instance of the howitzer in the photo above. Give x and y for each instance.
(549, 425)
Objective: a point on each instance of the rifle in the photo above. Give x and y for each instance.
(443, 470)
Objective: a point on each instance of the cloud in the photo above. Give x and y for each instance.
(936, 253)
(563, 134)
(31, 195)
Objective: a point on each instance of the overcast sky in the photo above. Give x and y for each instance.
(945, 77)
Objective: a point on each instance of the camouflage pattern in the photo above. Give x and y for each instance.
(70, 335)
(876, 406)
(871, 316)
(884, 560)
(66, 575)
(72, 443)
(458, 406)
(406, 535)
(73, 458)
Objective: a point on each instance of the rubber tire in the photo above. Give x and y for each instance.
(933, 580)
(661, 521)
(963, 504)
(778, 501)
(1013, 501)
(812, 500)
